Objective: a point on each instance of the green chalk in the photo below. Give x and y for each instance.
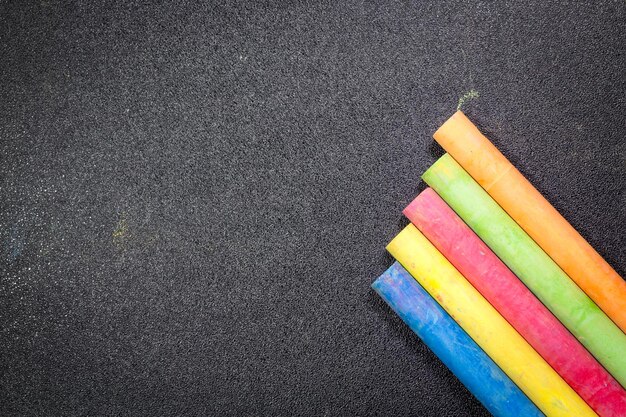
(531, 264)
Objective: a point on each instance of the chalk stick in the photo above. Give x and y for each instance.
(486, 326)
(452, 345)
(530, 263)
(533, 321)
(516, 195)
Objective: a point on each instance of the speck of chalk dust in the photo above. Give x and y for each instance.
(120, 233)
(470, 95)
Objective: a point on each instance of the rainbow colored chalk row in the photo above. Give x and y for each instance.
(504, 290)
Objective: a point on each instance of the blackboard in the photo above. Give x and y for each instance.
(195, 198)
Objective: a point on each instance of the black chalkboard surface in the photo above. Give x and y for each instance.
(195, 198)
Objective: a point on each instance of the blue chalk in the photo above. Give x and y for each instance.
(452, 345)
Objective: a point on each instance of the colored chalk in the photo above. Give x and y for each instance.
(486, 272)
(486, 326)
(516, 195)
(531, 264)
(452, 345)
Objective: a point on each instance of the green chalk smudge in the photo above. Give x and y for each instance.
(470, 95)
(121, 233)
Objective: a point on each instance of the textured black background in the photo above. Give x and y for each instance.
(196, 198)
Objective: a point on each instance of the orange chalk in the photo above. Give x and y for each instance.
(516, 195)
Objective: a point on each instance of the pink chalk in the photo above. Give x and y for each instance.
(484, 270)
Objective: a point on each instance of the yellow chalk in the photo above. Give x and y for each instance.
(486, 326)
